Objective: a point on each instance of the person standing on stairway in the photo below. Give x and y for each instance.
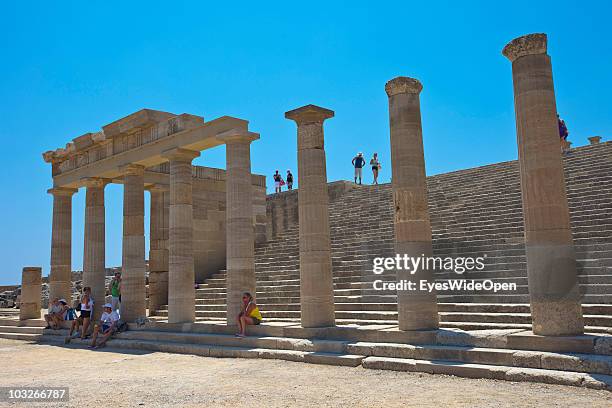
(114, 287)
(563, 134)
(375, 167)
(358, 161)
(278, 182)
(289, 180)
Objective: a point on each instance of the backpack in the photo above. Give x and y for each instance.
(70, 314)
(121, 326)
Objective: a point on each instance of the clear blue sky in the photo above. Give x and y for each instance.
(70, 67)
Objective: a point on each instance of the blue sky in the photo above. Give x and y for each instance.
(70, 67)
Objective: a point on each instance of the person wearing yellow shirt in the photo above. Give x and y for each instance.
(249, 314)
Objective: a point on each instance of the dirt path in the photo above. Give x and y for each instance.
(116, 378)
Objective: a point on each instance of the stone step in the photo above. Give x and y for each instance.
(489, 371)
(576, 362)
(219, 351)
(21, 329)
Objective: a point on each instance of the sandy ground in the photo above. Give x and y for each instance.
(114, 378)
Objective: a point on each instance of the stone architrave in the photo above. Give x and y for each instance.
(31, 291)
(133, 281)
(316, 280)
(60, 277)
(181, 274)
(551, 260)
(417, 309)
(240, 242)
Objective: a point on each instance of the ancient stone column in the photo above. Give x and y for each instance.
(551, 260)
(94, 266)
(181, 275)
(60, 279)
(417, 309)
(31, 291)
(240, 242)
(316, 280)
(158, 249)
(133, 276)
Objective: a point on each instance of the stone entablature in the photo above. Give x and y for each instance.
(118, 137)
(140, 138)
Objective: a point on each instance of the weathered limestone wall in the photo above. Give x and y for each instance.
(209, 198)
(282, 209)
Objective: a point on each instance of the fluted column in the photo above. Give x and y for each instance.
(158, 249)
(60, 279)
(31, 291)
(316, 281)
(181, 275)
(94, 266)
(239, 215)
(417, 309)
(551, 259)
(133, 277)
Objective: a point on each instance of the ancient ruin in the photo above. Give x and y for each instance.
(308, 255)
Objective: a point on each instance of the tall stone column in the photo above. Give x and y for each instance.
(60, 279)
(240, 242)
(94, 266)
(31, 291)
(417, 310)
(134, 269)
(181, 275)
(551, 259)
(158, 252)
(316, 280)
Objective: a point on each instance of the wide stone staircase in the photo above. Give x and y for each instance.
(475, 213)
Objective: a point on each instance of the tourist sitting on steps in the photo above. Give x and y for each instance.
(55, 314)
(109, 321)
(249, 314)
(86, 308)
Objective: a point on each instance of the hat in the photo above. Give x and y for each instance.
(63, 301)
(107, 305)
(360, 154)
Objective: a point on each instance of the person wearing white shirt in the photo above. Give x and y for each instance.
(108, 325)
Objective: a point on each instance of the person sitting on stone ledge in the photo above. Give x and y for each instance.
(108, 325)
(86, 308)
(249, 314)
(55, 314)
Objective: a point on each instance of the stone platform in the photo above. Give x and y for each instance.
(510, 354)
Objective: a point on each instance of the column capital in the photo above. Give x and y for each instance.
(309, 114)
(62, 191)
(401, 84)
(180, 154)
(237, 136)
(158, 188)
(95, 182)
(529, 44)
(132, 169)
